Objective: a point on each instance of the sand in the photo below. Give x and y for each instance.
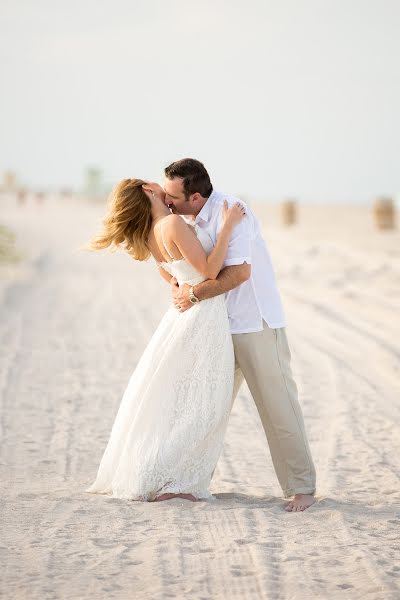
(73, 326)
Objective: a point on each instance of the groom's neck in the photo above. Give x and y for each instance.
(200, 207)
(196, 210)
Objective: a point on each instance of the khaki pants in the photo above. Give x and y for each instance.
(263, 359)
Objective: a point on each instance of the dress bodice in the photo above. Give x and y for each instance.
(182, 269)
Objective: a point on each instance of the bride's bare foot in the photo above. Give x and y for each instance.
(300, 502)
(168, 496)
(188, 497)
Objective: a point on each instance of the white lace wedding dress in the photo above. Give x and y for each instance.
(169, 429)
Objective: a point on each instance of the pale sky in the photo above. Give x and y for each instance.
(276, 97)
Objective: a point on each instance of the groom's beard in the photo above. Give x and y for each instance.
(173, 209)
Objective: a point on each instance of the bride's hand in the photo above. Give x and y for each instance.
(150, 188)
(234, 214)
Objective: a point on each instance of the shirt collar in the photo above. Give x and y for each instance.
(205, 212)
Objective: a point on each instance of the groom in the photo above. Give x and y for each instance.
(257, 323)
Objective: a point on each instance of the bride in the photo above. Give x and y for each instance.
(168, 432)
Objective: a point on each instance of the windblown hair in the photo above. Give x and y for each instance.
(128, 222)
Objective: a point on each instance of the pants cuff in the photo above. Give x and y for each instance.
(294, 491)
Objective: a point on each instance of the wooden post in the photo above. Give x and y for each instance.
(39, 197)
(384, 213)
(289, 212)
(21, 197)
(66, 193)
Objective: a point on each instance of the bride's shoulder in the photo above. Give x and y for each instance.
(174, 225)
(179, 227)
(172, 221)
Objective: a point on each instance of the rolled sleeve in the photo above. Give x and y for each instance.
(239, 248)
(229, 262)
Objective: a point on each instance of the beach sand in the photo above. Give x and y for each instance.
(73, 326)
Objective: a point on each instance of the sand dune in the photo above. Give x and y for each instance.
(72, 329)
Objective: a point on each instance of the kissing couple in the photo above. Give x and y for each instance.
(226, 324)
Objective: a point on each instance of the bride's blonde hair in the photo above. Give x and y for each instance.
(128, 221)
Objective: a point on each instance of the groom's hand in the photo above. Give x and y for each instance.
(180, 295)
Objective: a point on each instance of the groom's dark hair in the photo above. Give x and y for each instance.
(194, 175)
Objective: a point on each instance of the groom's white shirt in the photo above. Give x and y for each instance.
(257, 298)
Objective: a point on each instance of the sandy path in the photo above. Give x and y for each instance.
(72, 329)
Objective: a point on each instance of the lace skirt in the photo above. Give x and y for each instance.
(169, 429)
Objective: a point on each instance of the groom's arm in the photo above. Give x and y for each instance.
(228, 278)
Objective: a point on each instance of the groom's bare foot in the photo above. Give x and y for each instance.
(300, 502)
(169, 496)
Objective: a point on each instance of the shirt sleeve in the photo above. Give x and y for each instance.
(239, 248)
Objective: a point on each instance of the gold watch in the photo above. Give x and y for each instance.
(192, 297)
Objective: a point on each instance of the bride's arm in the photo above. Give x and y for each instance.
(165, 275)
(190, 248)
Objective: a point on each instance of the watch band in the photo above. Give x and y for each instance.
(192, 296)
